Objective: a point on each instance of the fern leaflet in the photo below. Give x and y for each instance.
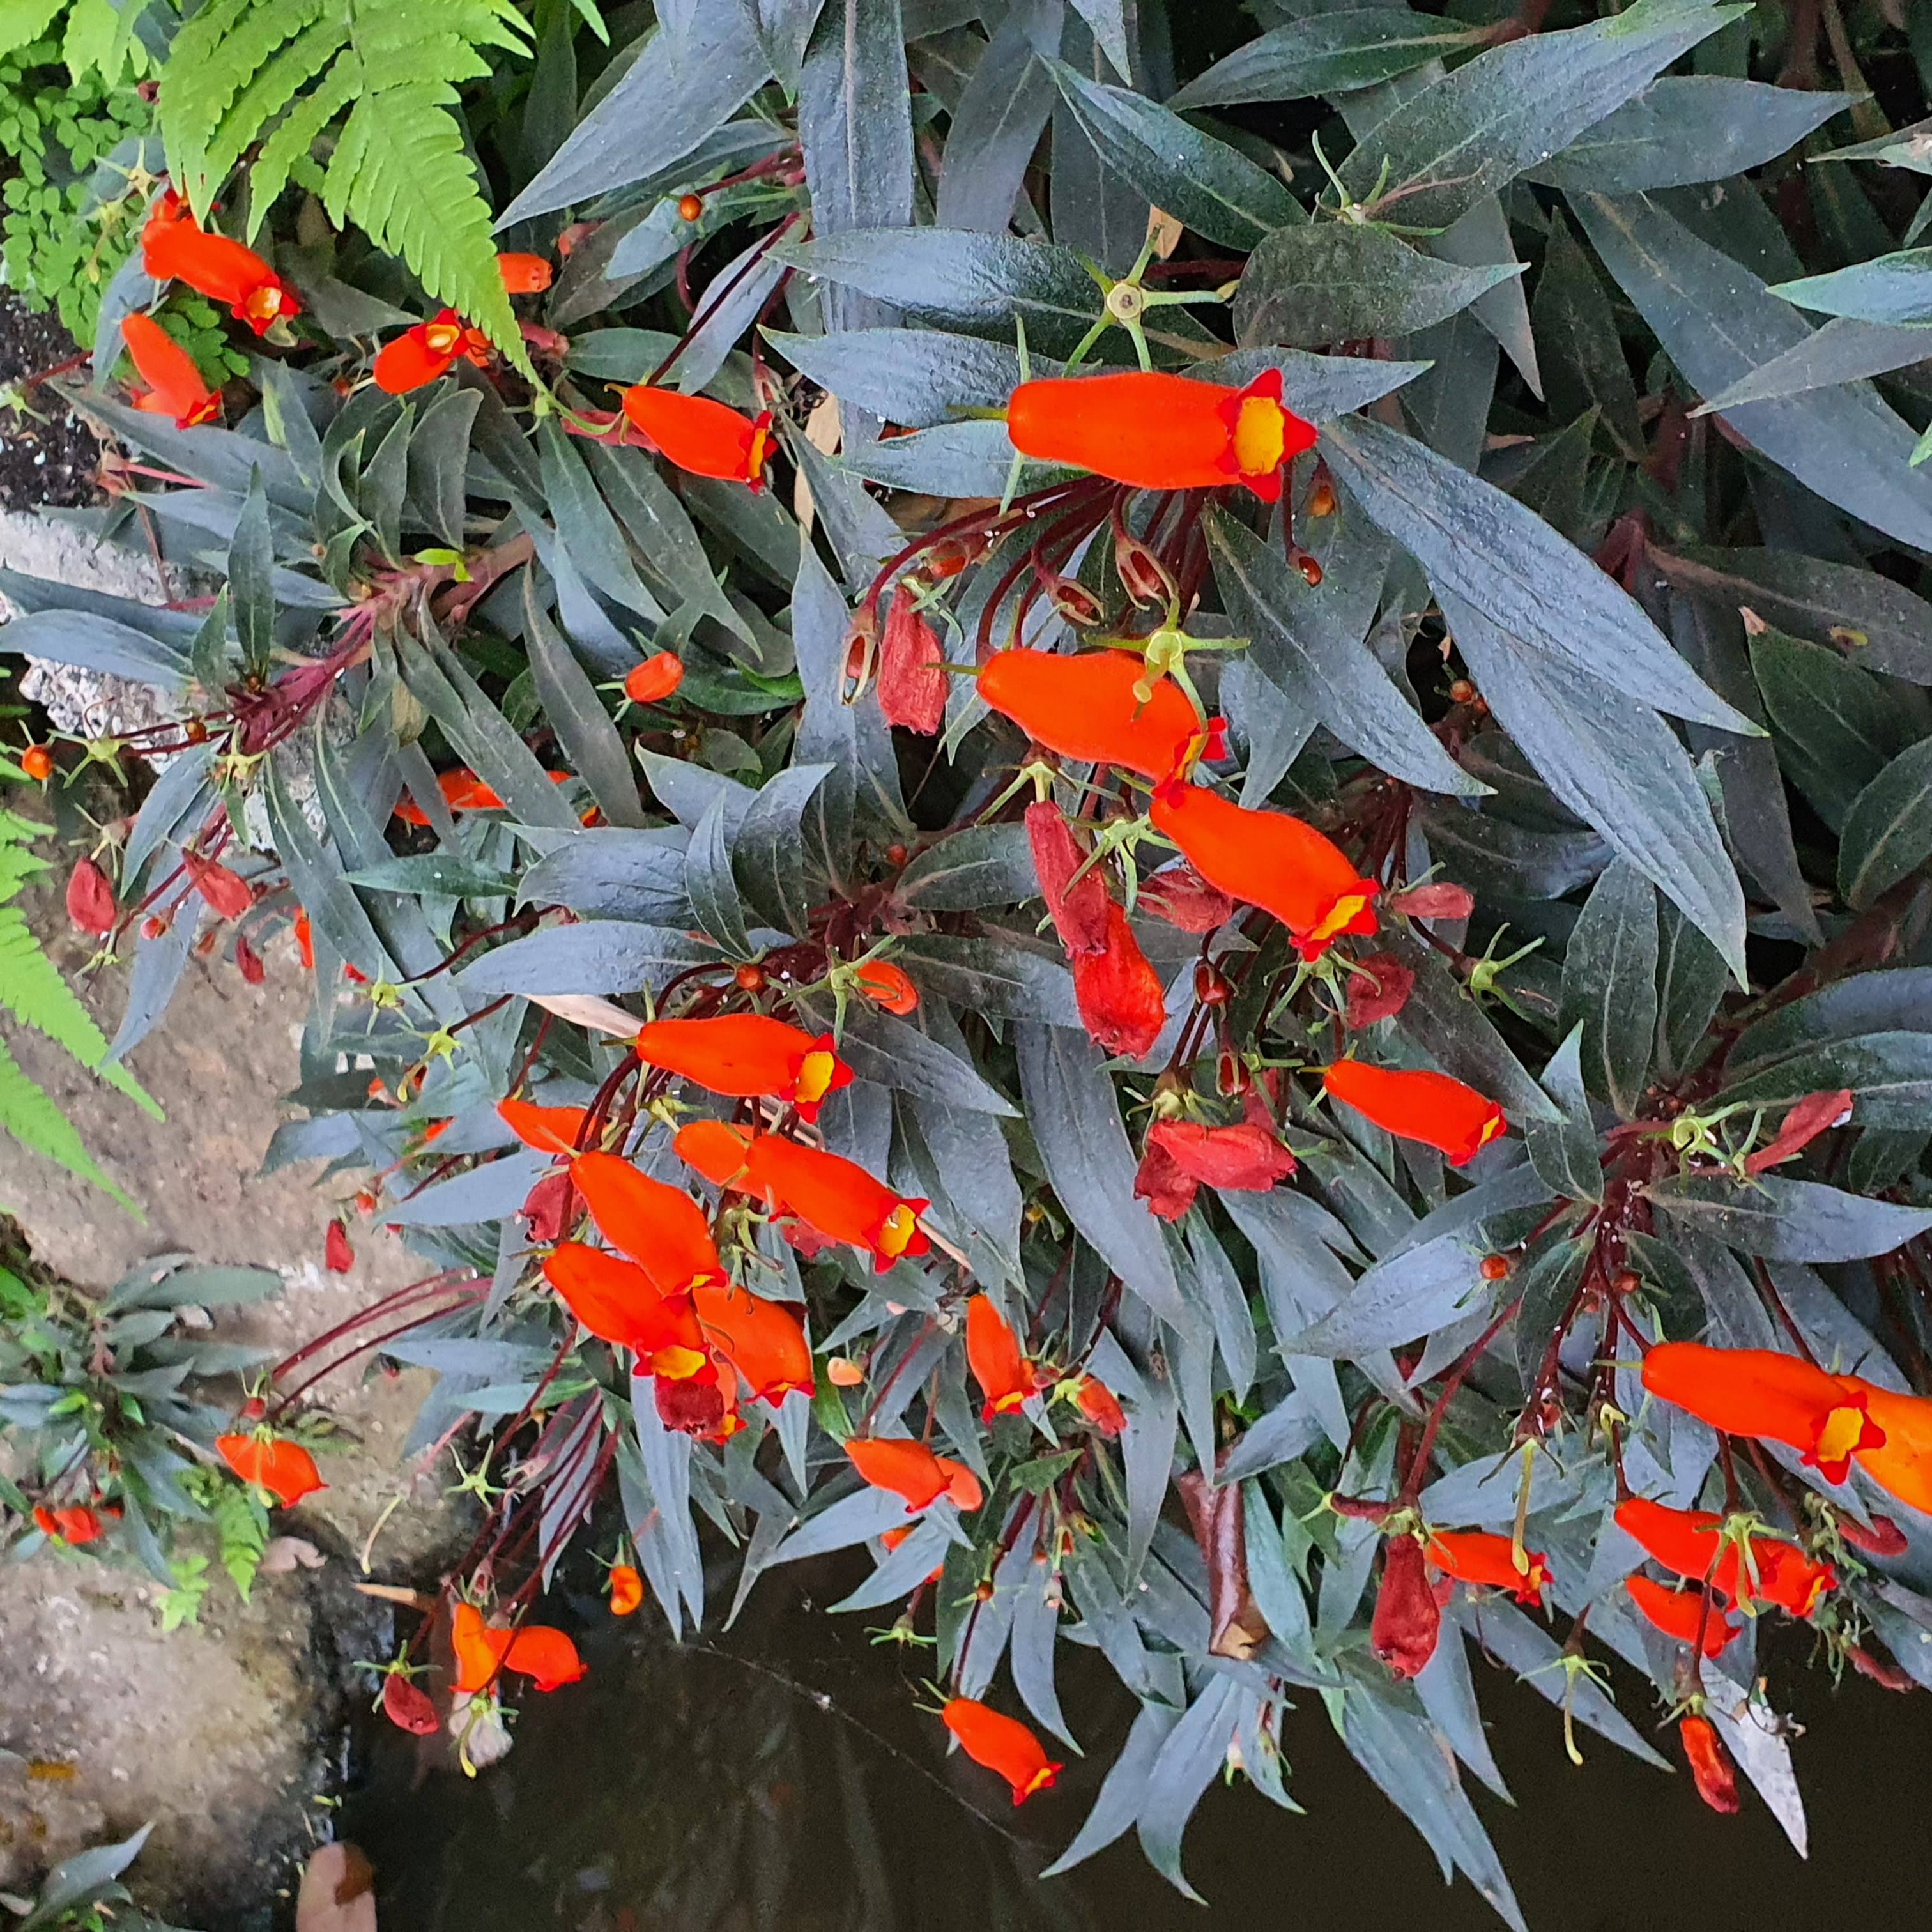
(32, 1118)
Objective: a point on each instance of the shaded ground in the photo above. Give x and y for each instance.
(48, 459)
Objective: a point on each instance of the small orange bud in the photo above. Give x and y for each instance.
(1322, 497)
(843, 1372)
(627, 1589)
(1309, 566)
(1710, 1764)
(1495, 1267)
(655, 679)
(524, 274)
(896, 856)
(689, 208)
(749, 979)
(1461, 692)
(153, 926)
(887, 986)
(37, 762)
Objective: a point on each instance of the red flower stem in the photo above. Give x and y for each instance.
(286, 1398)
(1419, 1462)
(740, 274)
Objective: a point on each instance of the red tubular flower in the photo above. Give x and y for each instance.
(74, 1525)
(549, 1130)
(1079, 905)
(408, 1706)
(1101, 1407)
(90, 899)
(1419, 1106)
(700, 436)
(1408, 1619)
(1811, 1116)
(912, 674)
(1122, 1002)
(1157, 432)
(887, 986)
(175, 385)
(627, 1590)
(1270, 860)
(764, 1341)
(660, 1227)
(618, 1302)
(1178, 894)
(1681, 1613)
(655, 679)
(428, 352)
(1378, 989)
(338, 1257)
(998, 1363)
(1880, 1537)
(1779, 1397)
(1002, 1745)
(1181, 1155)
(1710, 1764)
(1686, 1541)
(524, 274)
(1478, 1556)
(462, 791)
(175, 246)
(911, 1470)
(748, 1056)
(1901, 1464)
(285, 1469)
(837, 1197)
(717, 1150)
(229, 894)
(1085, 707)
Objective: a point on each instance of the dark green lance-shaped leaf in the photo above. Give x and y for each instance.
(1564, 1152)
(1075, 1117)
(996, 126)
(915, 377)
(316, 874)
(1691, 977)
(1486, 548)
(1195, 1754)
(1787, 1220)
(1546, 1285)
(1467, 136)
(671, 556)
(978, 866)
(610, 874)
(1888, 832)
(1319, 388)
(1895, 288)
(438, 464)
(769, 850)
(1718, 321)
(1491, 855)
(1609, 984)
(1411, 1294)
(576, 715)
(977, 283)
(1582, 359)
(434, 875)
(78, 1881)
(160, 1284)
(585, 526)
(713, 891)
(1327, 53)
(251, 558)
(1214, 189)
(895, 1053)
(783, 28)
(1007, 973)
(685, 84)
(1356, 697)
(1126, 1789)
(1883, 624)
(1689, 127)
(1895, 1001)
(98, 644)
(1889, 1075)
(1843, 351)
(1615, 764)
(1332, 280)
(1835, 727)
(600, 956)
(959, 459)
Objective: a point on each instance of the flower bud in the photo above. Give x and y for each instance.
(689, 208)
(1408, 1619)
(248, 962)
(1142, 575)
(90, 899)
(1212, 987)
(1710, 1763)
(655, 679)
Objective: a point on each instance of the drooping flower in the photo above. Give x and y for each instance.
(1688, 1542)
(285, 1469)
(912, 674)
(998, 1363)
(627, 1589)
(175, 246)
(74, 1525)
(660, 1227)
(1101, 1407)
(1182, 1155)
(1419, 1105)
(427, 353)
(837, 1197)
(1408, 1619)
(1078, 901)
(748, 1056)
(338, 1257)
(1711, 1767)
(1178, 894)
(408, 1706)
(1681, 1613)
(1815, 1114)
(700, 435)
(764, 1341)
(1269, 860)
(1479, 1556)
(523, 274)
(90, 899)
(618, 1302)
(655, 679)
(546, 1656)
(227, 892)
(1760, 1392)
(1122, 1003)
(1160, 432)
(1086, 707)
(1001, 1744)
(909, 1469)
(887, 986)
(1901, 1465)
(175, 387)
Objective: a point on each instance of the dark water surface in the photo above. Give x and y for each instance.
(784, 1779)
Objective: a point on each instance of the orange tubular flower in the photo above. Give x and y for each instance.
(428, 352)
(175, 246)
(1157, 432)
(1002, 1745)
(1085, 707)
(546, 1656)
(74, 1526)
(285, 1469)
(1760, 1392)
(462, 791)
(524, 274)
(175, 385)
(1270, 860)
(700, 436)
(1101, 1407)
(887, 986)
(1122, 1003)
(1686, 1541)
(748, 1056)
(655, 679)
(660, 1227)
(998, 1363)
(618, 1302)
(717, 1151)
(1680, 1613)
(911, 1470)
(764, 1341)
(548, 1129)
(1710, 1764)
(837, 1198)
(1902, 1465)
(1478, 1556)
(627, 1590)
(1418, 1106)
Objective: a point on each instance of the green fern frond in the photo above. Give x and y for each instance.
(384, 32)
(23, 22)
(299, 132)
(33, 1119)
(268, 93)
(207, 68)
